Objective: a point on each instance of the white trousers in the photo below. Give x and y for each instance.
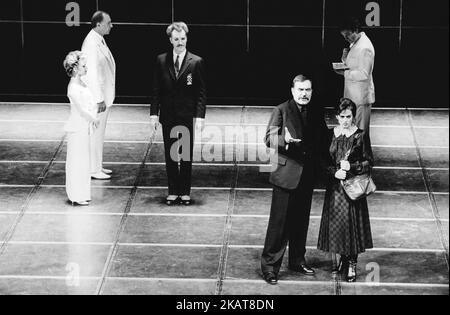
(363, 117)
(97, 139)
(78, 177)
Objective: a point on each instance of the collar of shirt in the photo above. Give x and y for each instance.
(99, 37)
(356, 41)
(338, 131)
(182, 55)
(302, 108)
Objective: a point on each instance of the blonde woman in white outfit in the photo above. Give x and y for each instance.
(81, 123)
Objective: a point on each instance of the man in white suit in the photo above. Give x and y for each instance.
(100, 80)
(360, 60)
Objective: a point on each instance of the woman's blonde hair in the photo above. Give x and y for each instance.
(71, 61)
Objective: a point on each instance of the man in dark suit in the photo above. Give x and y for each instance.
(179, 96)
(297, 131)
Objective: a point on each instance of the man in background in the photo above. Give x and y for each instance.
(358, 82)
(179, 98)
(101, 81)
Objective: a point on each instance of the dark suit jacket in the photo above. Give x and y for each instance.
(178, 100)
(308, 153)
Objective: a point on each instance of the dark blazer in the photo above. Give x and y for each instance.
(308, 153)
(179, 99)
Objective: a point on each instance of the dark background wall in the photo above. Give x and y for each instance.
(252, 48)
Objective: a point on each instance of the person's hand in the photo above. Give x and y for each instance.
(101, 107)
(341, 174)
(154, 123)
(199, 124)
(340, 71)
(95, 123)
(345, 165)
(288, 137)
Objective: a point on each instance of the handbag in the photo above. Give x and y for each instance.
(359, 186)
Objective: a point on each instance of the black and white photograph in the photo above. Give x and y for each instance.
(225, 153)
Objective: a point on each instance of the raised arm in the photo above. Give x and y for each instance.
(364, 69)
(364, 162)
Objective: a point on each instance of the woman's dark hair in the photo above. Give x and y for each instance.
(350, 24)
(344, 104)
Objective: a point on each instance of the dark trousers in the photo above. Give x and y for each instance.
(179, 171)
(288, 223)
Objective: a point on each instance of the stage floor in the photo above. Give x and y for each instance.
(129, 242)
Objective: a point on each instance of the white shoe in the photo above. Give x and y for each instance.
(106, 171)
(100, 175)
(172, 200)
(186, 200)
(172, 197)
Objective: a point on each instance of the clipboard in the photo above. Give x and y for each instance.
(340, 66)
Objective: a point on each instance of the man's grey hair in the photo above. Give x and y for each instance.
(177, 26)
(300, 78)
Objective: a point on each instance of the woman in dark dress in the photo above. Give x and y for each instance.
(345, 225)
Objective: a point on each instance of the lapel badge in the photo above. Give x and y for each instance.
(189, 79)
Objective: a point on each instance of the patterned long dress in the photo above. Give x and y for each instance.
(345, 226)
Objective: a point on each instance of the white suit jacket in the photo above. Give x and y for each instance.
(101, 69)
(359, 86)
(83, 110)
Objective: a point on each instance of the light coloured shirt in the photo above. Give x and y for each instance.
(181, 58)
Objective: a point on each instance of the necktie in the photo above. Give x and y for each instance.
(177, 66)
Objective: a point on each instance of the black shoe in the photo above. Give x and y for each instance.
(171, 202)
(304, 269)
(79, 203)
(342, 267)
(271, 278)
(351, 274)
